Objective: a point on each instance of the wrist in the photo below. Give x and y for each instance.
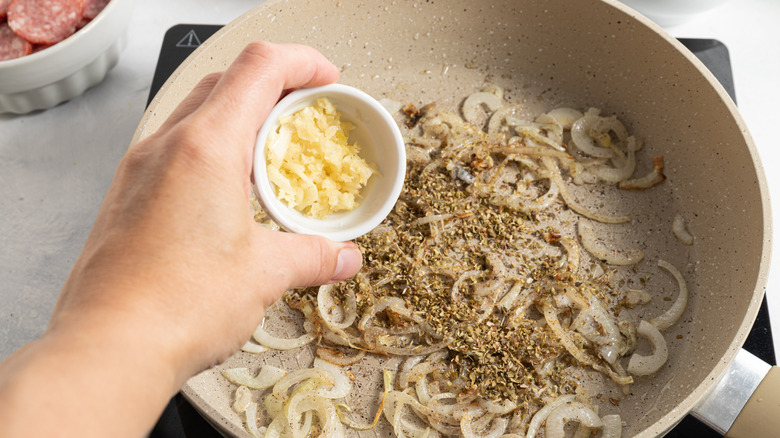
(73, 380)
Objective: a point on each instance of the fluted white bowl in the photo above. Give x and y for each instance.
(672, 12)
(65, 70)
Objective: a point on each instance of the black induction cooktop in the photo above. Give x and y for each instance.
(180, 420)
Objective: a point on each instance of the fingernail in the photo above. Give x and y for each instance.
(348, 263)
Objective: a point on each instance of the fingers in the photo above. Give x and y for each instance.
(193, 101)
(235, 103)
(256, 79)
(303, 260)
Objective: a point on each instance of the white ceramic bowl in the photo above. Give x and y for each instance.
(65, 70)
(672, 12)
(381, 144)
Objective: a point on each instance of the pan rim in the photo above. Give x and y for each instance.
(675, 414)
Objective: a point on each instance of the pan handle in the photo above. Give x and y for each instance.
(761, 415)
(745, 403)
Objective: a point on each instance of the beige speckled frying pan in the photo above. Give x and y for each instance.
(546, 53)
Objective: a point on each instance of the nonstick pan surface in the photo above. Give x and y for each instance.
(589, 53)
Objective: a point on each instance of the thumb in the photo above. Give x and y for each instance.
(300, 260)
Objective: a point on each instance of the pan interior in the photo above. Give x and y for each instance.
(547, 54)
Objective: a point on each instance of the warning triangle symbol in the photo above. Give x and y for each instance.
(190, 40)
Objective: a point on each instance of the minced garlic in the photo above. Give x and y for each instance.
(311, 163)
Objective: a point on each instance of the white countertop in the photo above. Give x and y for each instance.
(56, 165)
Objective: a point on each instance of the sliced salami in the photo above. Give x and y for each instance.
(11, 46)
(92, 8)
(38, 47)
(45, 21)
(4, 8)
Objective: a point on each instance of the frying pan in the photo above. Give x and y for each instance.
(547, 53)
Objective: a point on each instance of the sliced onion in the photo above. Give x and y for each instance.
(352, 424)
(565, 116)
(655, 177)
(594, 320)
(337, 357)
(612, 257)
(265, 378)
(425, 433)
(250, 420)
(341, 383)
(328, 418)
(583, 432)
(326, 306)
(267, 340)
(444, 427)
(571, 411)
(533, 131)
(613, 426)
(296, 414)
(635, 297)
(580, 136)
(566, 339)
(617, 174)
(508, 300)
(518, 201)
(442, 409)
(307, 426)
(241, 399)
(531, 151)
(577, 298)
(422, 369)
(671, 316)
(498, 118)
(388, 386)
(395, 304)
(572, 254)
(497, 427)
(393, 408)
(421, 390)
(555, 175)
(340, 337)
(322, 377)
(403, 373)
(244, 404)
(541, 415)
(645, 365)
(469, 410)
(495, 89)
(552, 126)
(496, 408)
(418, 349)
(602, 126)
(273, 405)
(681, 231)
(432, 218)
(251, 347)
(628, 328)
(276, 428)
(523, 302)
(455, 292)
(472, 106)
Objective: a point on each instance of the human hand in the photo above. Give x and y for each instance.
(175, 275)
(175, 246)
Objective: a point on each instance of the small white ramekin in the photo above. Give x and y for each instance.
(668, 13)
(381, 143)
(65, 70)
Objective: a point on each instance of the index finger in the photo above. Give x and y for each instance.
(255, 81)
